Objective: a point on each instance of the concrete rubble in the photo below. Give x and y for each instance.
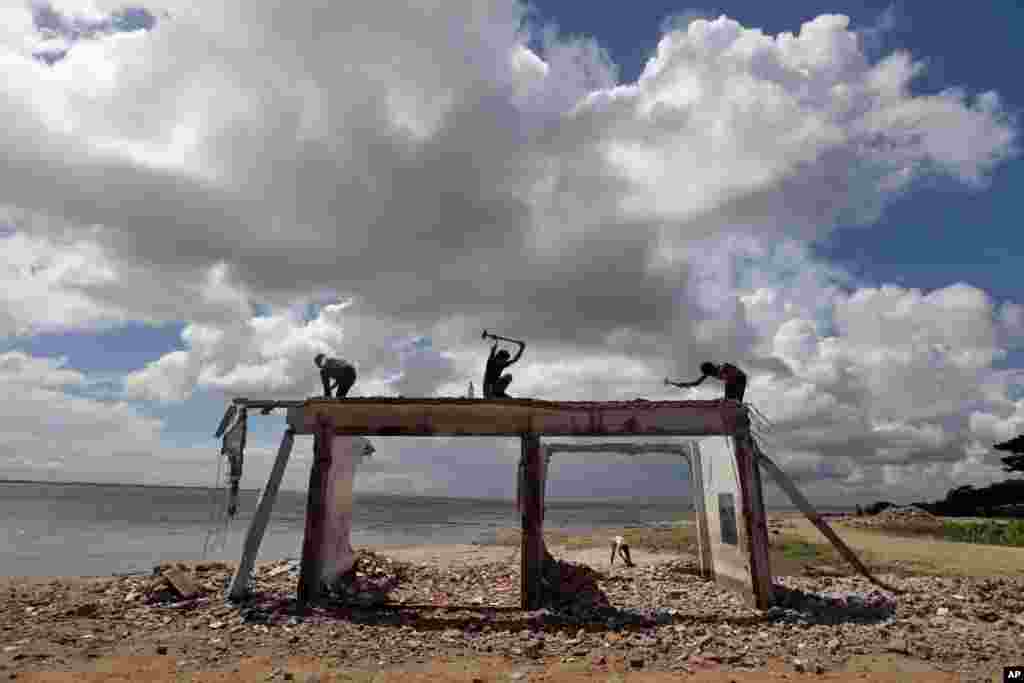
(657, 617)
(909, 518)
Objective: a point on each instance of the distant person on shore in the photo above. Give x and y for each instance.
(338, 371)
(620, 547)
(734, 378)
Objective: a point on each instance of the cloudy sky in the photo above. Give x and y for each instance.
(198, 197)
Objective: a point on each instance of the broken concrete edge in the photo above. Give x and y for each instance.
(181, 582)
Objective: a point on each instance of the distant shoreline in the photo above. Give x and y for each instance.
(367, 494)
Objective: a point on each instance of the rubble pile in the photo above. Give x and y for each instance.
(573, 589)
(908, 518)
(653, 616)
(371, 581)
(795, 606)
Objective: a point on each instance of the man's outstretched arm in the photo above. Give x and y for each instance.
(686, 385)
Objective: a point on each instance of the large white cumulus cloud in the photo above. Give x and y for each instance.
(271, 355)
(425, 164)
(426, 159)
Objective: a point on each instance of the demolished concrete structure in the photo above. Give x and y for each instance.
(724, 457)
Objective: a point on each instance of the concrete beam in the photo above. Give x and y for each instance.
(514, 417)
(683, 450)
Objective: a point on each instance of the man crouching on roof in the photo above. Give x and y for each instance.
(620, 546)
(338, 371)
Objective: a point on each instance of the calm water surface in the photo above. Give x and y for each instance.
(97, 529)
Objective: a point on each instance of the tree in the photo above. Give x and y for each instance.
(1015, 461)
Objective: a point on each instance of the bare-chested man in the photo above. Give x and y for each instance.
(495, 383)
(734, 378)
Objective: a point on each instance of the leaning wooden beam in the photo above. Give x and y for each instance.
(240, 583)
(790, 488)
(311, 568)
(514, 417)
(532, 550)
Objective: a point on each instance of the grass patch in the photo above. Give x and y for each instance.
(988, 533)
(799, 550)
(792, 555)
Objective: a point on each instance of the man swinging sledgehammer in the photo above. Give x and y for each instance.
(496, 383)
(734, 378)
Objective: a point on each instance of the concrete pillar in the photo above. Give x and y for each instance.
(311, 570)
(531, 503)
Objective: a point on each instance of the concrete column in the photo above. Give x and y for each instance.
(311, 569)
(532, 548)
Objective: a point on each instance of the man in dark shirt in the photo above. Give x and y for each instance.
(496, 383)
(339, 371)
(734, 378)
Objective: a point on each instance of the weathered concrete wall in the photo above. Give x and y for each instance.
(696, 467)
(727, 539)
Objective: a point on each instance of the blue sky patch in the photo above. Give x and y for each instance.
(52, 24)
(119, 350)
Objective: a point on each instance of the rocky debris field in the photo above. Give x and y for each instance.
(655, 617)
(908, 519)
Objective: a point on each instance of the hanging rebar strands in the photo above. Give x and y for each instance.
(233, 448)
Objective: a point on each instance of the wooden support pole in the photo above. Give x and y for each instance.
(240, 583)
(532, 548)
(805, 506)
(316, 507)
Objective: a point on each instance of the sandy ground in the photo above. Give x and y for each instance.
(454, 555)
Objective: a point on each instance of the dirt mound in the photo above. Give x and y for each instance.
(906, 518)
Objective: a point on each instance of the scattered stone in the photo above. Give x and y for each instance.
(908, 518)
(86, 610)
(181, 583)
(161, 649)
(899, 645)
(664, 616)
